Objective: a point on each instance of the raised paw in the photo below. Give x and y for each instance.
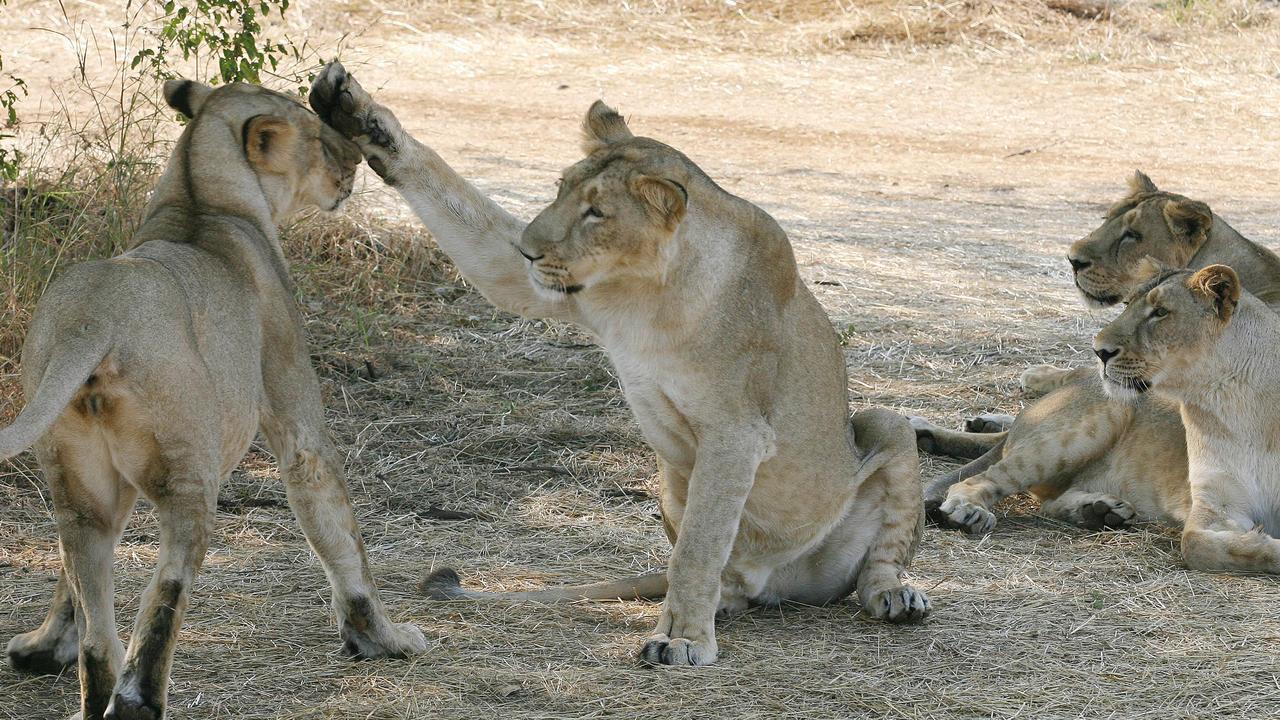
(390, 640)
(903, 604)
(988, 423)
(345, 106)
(1107, 512)
(964, 515)
(39, 654)
(663, 650)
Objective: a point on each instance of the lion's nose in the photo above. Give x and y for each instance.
(1077, 264)
(1105, 353)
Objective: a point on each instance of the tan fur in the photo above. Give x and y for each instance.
(1195, 338)
(151, 373)
(770, 492)
(1113, 463)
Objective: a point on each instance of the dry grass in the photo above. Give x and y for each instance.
(443, 404)
(1088, 28)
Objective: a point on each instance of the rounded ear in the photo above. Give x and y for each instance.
(1188, 220)
(667, 199)
(1140, 183)
(1220, 285)
(186, 96)
(603, 126)
(268, 143)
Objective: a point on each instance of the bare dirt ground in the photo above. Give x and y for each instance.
(930, 194)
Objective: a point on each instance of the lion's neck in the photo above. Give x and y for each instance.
(1239, 377)
(210, 198)
(1258, 267)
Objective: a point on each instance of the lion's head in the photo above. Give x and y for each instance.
(1148, 223)
(299, 161)
(615, 212)
(1168, 323)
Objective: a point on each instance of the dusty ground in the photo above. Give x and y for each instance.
(930, 194)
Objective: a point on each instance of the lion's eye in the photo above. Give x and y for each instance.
(1131, 236)
(1158, 312)
(593, 211)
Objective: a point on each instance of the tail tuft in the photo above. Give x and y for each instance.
(442, 584)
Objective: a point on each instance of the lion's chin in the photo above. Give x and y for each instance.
(1127, 389)
(557, 292)
(1096, 302)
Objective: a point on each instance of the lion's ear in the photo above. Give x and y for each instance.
(1219, 285)
(1140, 183)
(603, 126)
(667, 199)
(268, 143)
(1188, 220)
(186, 96)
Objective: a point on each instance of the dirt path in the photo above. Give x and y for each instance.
(933, 195)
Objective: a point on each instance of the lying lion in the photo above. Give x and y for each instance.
(151, 373)
(1088, 458)
(770, 492)
(1198, 339)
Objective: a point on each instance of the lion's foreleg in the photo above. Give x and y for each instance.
(722, 477)
(477, 234)
(53, 646)
(317, 492)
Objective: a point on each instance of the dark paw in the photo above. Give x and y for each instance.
(661, 650)
(1107, 514)
(987, 423)
(133, 708)
(40, 662)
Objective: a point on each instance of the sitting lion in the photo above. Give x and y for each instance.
(151, 373)
(1088, 458)
(770, 492)
(1197, 339)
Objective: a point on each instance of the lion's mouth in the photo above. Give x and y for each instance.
(1134, 385)
(1097, 300)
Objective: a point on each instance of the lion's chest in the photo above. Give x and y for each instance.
(661, 409)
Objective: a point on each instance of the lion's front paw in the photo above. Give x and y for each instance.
(39, 653)
(663, 650)
(390, 640)
(966, 516)
(988, 423)
(902, 604)
(1107, 512)
(345, 106)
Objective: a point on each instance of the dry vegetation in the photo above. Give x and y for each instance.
(504, 447)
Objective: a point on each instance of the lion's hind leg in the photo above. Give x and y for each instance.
(870, 547)
(1213, 541)
(1094, 510)
(91, 504)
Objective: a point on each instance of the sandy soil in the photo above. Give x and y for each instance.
(932, 193)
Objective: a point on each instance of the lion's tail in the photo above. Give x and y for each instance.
(73, 361)
(444, 584)
(936, 491)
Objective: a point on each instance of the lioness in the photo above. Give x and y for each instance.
(1088, 458)
(1196, 338)
(152, 371)
(770, 492)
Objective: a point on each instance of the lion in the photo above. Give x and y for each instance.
(1089, 459)
(1197, 338)
(151, 372)
(771, 492)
